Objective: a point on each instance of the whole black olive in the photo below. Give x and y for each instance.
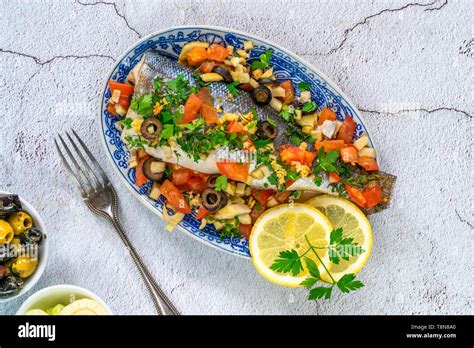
(266, 131)
(213, 200)
(31, 236)
(10, 285)
(9, 204)
(211, 182)
(224, 73)
(261, 95)
(151, 128)
(149, 173)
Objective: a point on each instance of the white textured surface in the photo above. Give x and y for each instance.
(407, 66)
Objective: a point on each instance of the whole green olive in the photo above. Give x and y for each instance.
(24, 266)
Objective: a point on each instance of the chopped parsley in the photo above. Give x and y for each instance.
(143, 105)
(263, 62)
(167, 132)
(232, 87)
(304, 86)
(309, 107)
(221, 183)
(126, 123)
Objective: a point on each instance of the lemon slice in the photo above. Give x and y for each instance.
(346, 215)
(284, 228)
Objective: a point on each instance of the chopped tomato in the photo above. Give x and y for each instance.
(282, 197)
(334, 178)
(356, 196)
(174, 197)
(373, 195)
(197, 56)
(346, 132)
(349, 154)
(209, 113)
(191, 108)
(124, 88)
(217, 53)
(288, 183)
(111, 110)
(257, 210)
(139, 175)
(234, 171)
(124, 101)
(181, 176)
(189, 180)
(368, 163)
(197, 184)
(235, 127)
(207, 67)
(295, 154)
(262, 196)
(289, 91)
(207, 109)
(201, 213)
(245, 230)
(326, 114)
(329, 145)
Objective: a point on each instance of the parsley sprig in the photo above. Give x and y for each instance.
(289, 261)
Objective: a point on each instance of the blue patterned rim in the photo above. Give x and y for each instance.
(169, 41)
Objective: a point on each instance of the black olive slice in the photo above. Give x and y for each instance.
(151, 128)
(266, 131)
(213, 200)
(211, 182)
(261, 95)
(149, 173)
(268, 82)
(224, 73)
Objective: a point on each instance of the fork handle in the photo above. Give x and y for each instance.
(162, 304)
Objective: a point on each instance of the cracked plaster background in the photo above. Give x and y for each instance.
(407, 66)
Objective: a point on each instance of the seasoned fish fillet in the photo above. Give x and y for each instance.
(154, 64)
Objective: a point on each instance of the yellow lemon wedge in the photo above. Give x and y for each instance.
(346, 215)
(286, 227)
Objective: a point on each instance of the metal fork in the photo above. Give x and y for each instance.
(101, 198)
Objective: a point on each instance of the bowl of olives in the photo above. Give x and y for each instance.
(23, 246)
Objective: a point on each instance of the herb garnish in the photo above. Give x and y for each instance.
(232, 87)
(221, 183)
(304, 86)
(126, 123)
(143, 105)
(289, 261)
(325, 163)
(309, 107)
(263, 62)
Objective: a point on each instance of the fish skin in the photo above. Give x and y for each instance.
(157, 64)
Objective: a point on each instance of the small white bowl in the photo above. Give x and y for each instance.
(42, 252)
(53, 295)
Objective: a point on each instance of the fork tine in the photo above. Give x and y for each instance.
(84, 162)
(69, 170)
(84, 178)
(92, 158)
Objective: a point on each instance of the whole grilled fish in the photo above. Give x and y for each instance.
(156, 65)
